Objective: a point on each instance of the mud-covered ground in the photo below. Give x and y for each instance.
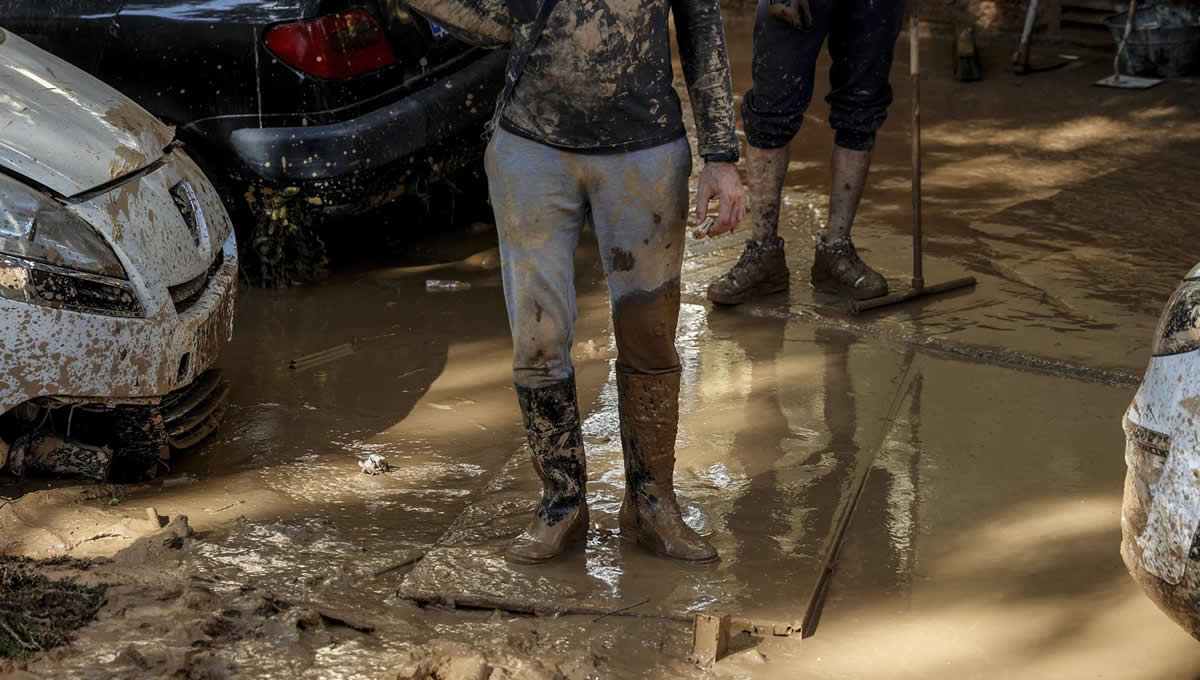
(987, 423)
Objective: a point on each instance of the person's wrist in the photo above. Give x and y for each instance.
(721, 157)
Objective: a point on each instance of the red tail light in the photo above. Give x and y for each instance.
(339, 45)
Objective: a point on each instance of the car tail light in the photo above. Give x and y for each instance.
(340, 45)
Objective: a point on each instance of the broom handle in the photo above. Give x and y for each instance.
(914, 40)
(1124, 38)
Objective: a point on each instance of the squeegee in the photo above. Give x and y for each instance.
(918, 289)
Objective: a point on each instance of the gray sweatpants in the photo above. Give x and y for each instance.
(637, 202)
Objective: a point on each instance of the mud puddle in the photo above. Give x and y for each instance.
(292, 556)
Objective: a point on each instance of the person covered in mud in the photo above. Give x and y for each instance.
(590, 129)
(788, 35)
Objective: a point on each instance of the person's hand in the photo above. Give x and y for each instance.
(721, 181)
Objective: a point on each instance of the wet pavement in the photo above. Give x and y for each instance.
(984, 544)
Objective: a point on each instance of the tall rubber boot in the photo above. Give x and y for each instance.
(555, 437)
(649, 411)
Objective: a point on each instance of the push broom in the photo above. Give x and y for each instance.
(918, 289)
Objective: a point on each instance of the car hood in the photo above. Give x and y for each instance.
(63, 128)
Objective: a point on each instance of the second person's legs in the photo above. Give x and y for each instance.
(784, 70)
(862, 40)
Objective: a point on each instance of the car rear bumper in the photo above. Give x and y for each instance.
(360, 161)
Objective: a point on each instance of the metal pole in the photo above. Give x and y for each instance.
(914, 40)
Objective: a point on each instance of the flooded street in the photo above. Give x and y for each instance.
(986, 424)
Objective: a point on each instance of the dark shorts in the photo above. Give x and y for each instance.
(862, 39)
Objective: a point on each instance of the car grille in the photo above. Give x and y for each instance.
(189, 207)
(194, 412)
(187, 293)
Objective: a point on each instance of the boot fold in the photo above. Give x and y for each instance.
(555, 436)
(650, 514)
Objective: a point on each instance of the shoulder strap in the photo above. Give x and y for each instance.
(517, 61)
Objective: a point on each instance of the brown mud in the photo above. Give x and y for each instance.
(984, 544)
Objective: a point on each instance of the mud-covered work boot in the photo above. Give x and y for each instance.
(649, 412)
(761, 270)
(838, 269)
(555, 437)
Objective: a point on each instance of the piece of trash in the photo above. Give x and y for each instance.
(374, 464)
(444, 407)
(172, 482)
(114, 501)
(445, 285)
(51, 454)
(597, 440)
(590, 350)
(704, 227)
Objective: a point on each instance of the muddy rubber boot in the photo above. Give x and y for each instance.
(761, 270)
(649, 412)
(552, 428)
(838, 269)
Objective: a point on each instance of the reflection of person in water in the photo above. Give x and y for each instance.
(791, 507)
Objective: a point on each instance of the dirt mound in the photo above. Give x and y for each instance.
(451, 660)
(38, 613)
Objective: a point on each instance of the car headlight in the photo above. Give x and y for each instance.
(49, 256)
(1179, 327)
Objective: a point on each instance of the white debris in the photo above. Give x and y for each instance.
(374, 464)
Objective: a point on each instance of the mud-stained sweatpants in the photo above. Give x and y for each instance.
(637, 203)
(862, 39)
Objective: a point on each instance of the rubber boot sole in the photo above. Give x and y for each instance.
(834, 287)
(576, 537)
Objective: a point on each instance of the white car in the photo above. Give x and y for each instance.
(1161, 512)
(118, 269)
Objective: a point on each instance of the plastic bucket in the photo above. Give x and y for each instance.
(1160, 45)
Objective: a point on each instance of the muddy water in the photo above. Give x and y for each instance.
(1057, 195)
(985, 544)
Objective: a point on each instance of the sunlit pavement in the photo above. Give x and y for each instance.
(986, 541)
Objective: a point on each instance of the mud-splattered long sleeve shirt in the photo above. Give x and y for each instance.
(599, 78)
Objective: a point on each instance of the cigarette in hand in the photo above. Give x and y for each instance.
(703, 228)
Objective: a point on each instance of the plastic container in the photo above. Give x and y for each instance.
(1164, 42)
(436, 286)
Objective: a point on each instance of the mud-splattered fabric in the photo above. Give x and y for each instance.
(555, 434)
(637, 203)
(599, 78)
(862, 38)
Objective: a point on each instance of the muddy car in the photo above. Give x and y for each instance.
(1160, 517)
(118, 276)
(352, 104)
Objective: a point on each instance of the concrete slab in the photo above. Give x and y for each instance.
(764, 467)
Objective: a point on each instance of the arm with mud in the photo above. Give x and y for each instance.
(706, 69)
(483, 23)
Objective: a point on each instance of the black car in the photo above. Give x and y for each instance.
(350, 103)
